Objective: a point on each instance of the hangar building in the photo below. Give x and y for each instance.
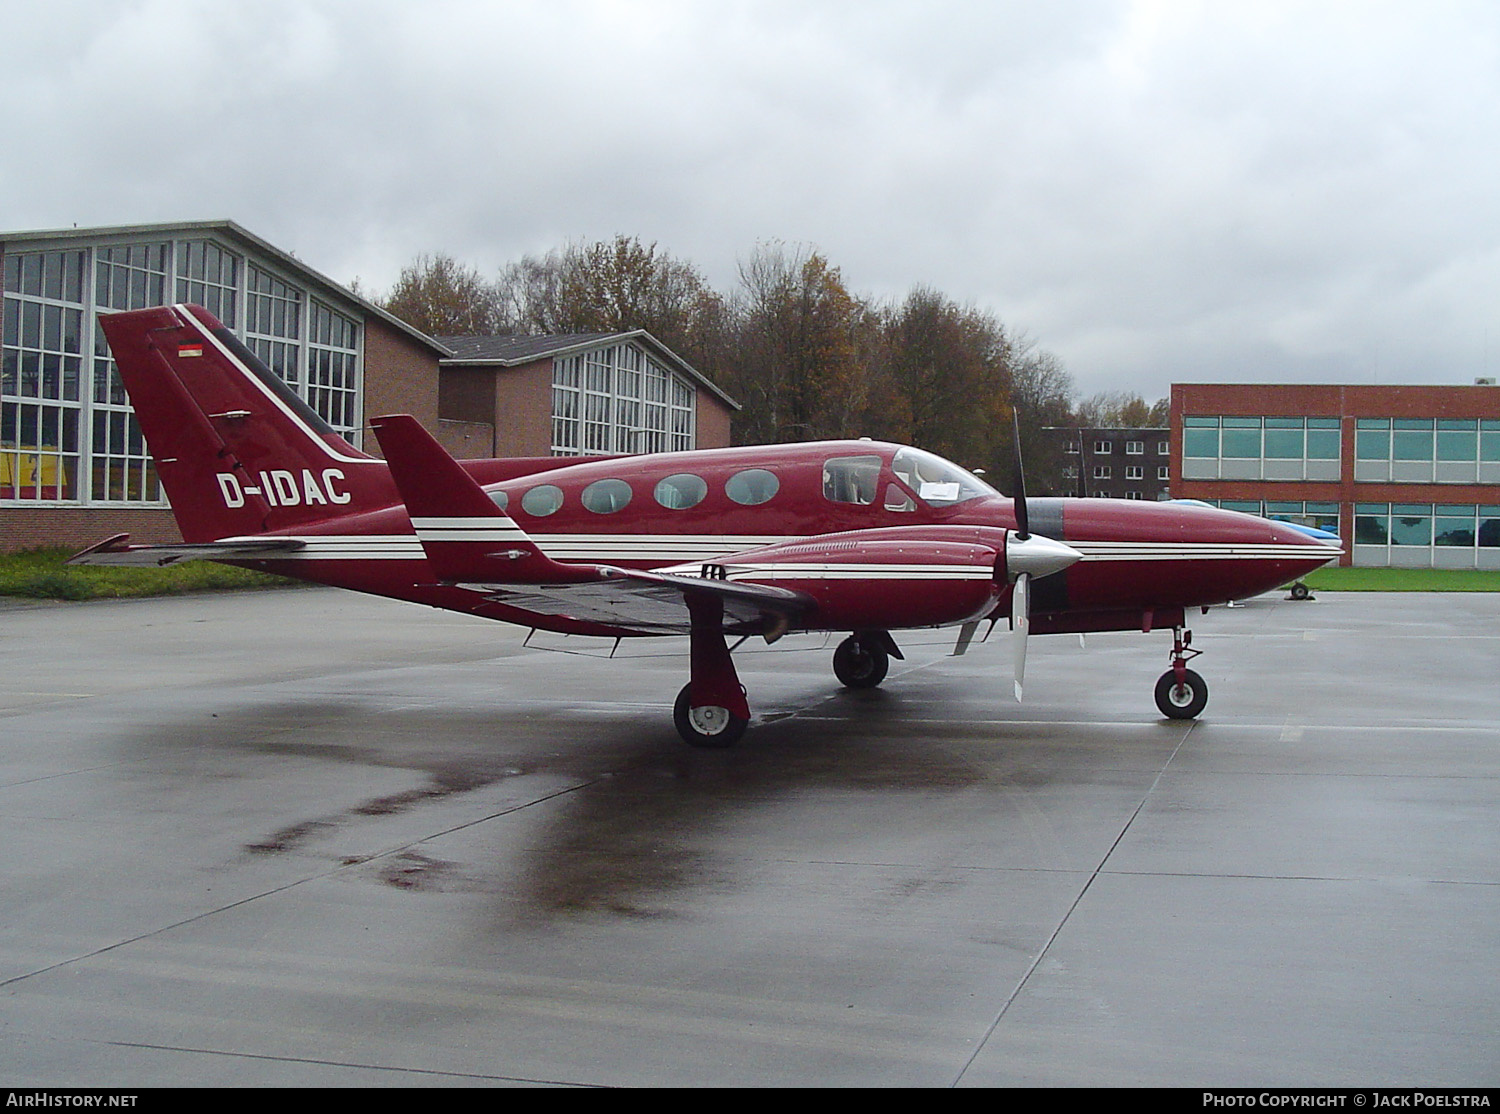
(1408, 476)
(73, 466)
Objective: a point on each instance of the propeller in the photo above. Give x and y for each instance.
(1020, 597)
(1027, 555)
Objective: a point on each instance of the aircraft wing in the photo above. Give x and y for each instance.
(114, 551)
(654, 603)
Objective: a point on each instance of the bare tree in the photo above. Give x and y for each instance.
(441, 297)
(1121, 410)
(796, 368)
(1042, 391)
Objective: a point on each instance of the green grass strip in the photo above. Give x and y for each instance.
(41, 574)
(1403, 580)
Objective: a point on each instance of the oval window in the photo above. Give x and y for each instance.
(752, 486)
(679, 492)
(542, 501)
(606, 496)
(499, 498)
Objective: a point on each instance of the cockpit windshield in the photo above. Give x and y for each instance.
(937, 481)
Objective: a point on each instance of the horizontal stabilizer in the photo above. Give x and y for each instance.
(114, 551)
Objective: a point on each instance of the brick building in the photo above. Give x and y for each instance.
(1408, 476)
(1110, 462)
(582, 394)
(74, 468)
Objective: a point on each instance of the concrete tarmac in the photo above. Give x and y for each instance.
(311, 838)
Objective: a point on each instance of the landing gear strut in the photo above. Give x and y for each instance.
(711, 710)
(1181, 693)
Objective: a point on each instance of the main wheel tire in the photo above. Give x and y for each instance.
(710, 726)
(859, 665)
(1184, 701)
(1300, 591)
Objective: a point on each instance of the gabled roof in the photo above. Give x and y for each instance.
(512, 351)
(230, 231)
(508, 351)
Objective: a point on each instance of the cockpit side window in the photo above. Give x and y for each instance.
(936, 481)
(852, 479)
(896, 499)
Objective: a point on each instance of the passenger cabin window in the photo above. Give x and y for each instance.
(852, 479)
(679, 492)
(606, 496)
(499, 498)
(542, 501)
(752, 487)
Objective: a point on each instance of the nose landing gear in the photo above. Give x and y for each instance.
(1181, 693)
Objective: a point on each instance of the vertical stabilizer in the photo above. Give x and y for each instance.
(237, 450)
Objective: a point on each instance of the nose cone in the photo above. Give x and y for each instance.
(1036, 556)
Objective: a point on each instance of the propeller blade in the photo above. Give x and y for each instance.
(1020, 621)
(1023, 512)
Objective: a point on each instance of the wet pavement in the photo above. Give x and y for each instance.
(308, 837)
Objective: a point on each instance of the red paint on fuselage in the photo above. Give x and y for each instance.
(1138, 557)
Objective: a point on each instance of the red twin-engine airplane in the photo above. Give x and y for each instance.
(856, 536)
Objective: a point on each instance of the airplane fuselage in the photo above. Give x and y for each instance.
(1143, 564)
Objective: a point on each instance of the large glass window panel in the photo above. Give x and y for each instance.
(1489, 441)
(1200, 441)
(1372, 524)
(1411, 440)
(1457, 441)
(1323, 438)
(1411, 524)
(1240, 439)
(1285, 439)
(1489, 527)
(1453, 526)
(1372, 440)
(208, 276)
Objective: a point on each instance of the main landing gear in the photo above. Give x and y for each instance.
(1181, 693)
(711, 710)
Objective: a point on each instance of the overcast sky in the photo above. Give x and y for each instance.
(1154, 191)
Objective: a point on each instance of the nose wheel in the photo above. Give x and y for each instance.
(1181, 693)
(860, 663)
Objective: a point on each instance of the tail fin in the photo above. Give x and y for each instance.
(238, 452)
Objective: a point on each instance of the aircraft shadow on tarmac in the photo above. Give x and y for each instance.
(594, 815)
